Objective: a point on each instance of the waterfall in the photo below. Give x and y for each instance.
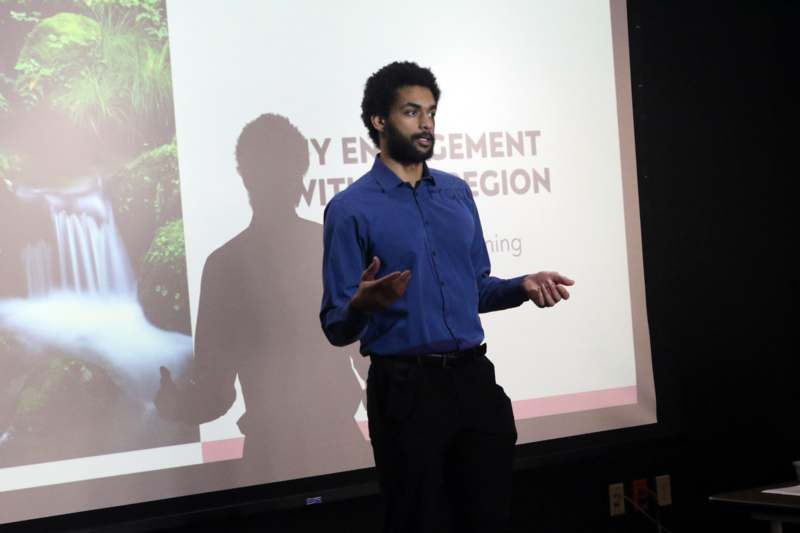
(82, 296)
(90, 256)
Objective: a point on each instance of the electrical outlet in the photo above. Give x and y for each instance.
(639, 493)
(664, 490)
(616, 499)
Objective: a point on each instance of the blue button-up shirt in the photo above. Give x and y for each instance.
(432, 230)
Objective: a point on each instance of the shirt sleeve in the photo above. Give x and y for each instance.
(494, 294)
(343, 261)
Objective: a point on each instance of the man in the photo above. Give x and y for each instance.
(406, 272)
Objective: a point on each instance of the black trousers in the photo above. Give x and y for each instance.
(443, 440)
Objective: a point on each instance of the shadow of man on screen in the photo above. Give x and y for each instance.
(258, 319)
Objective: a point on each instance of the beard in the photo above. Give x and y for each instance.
(402, 149)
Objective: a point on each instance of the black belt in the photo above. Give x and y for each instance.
(441, 360)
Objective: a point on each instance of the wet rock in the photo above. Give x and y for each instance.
(62, 409)
(68, 408)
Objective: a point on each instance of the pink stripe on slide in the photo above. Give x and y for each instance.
(223, 450)
(363, 425)
(571, 403)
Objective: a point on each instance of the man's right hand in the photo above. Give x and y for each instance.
(378, 294)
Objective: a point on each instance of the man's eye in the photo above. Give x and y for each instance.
(411, 112)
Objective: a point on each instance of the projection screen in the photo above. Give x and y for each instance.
(154, 216)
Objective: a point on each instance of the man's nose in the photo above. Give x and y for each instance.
(426, 122)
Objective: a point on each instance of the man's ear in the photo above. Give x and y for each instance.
(378, 122)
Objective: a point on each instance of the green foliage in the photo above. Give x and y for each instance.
(131, 79)
(6, 87)
(34, 397)
(9, 164)
(57, 49)
(148, 15)
(62, 40)
(167, 152)
(22, 16)
(32, 80)
(163, 287)
(31, 399)
(151, 89)
(110, 67)
(168, 246)
(149, 182)
(59, 379)
(90, 101)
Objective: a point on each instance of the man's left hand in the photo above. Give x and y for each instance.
(546, 289)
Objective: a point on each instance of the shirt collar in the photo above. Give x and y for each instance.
(388, 180)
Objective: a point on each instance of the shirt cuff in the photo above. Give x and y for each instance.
(516, 295)
(356, 320)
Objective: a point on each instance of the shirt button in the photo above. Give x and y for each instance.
(443, 284)
(433, 252)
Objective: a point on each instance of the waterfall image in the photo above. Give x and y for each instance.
(82, 297)
(93, 288)
(91, 259)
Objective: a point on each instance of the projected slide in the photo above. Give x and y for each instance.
(165, 167)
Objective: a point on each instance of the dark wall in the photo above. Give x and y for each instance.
(711, 99)
(713, 83)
